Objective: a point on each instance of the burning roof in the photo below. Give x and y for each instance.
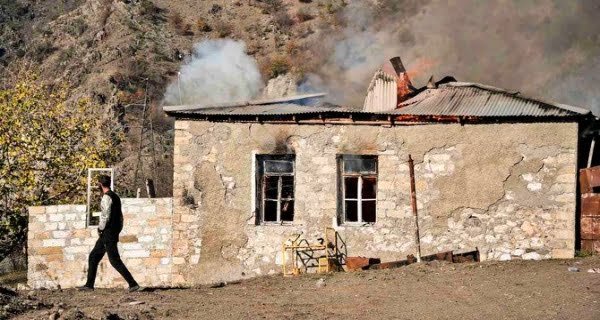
(392, 97)
(451, 99)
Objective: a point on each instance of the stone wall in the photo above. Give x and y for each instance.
(59, 244)
(507, 189)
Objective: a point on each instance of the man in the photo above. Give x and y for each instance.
(111, 224)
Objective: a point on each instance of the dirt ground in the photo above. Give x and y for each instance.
(491, 290)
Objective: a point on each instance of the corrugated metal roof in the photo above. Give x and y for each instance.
(450, 99)
(471, 99)
(297, 100)
(261, 110)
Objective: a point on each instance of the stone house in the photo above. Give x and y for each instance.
(495, 170)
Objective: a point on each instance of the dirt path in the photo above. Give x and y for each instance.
(494, 290)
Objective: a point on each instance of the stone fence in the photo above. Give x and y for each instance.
(59, 244)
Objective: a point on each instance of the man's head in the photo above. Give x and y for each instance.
(104, 182)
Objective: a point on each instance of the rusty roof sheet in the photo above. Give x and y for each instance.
(477, 100)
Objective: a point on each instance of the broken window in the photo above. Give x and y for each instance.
(275, 188)
(358, 188)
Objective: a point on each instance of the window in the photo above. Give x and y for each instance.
(275, 188)
(358, 188)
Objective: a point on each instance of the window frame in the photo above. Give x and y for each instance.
(342, 175)
(261, 185)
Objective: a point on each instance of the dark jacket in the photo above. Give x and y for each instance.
(114, 225)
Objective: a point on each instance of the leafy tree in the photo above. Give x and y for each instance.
(46, 145)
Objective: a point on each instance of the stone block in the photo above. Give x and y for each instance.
(37, 210)
(158, 253)
(132, 246)
(63, 208)
(189, 218)
(70, 216)
(90, 241)
(531, 256)
(51, 226)
(178, 260)
(564, 234)
(151, 262)
(128, 238)
(81, 233)
(77, 249)
(61, 234)
(53, 243)
(149, 209)
(146, 239)
(55, 258)
(47, 250)
(51, 209)
(563, 253)
(136, 253)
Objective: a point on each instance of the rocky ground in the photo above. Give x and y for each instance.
(491, 290)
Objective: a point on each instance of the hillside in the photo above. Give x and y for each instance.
(107, 49)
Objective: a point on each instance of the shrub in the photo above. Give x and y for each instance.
(176, 20)
(202, 26)
(283, 20)
(182, 28)
(77, 27)
(223, 29)
(155, 13)
(271, 6)
(304, 14)
(215, 9)
(278, 65)
(42, 49)
(65, 55)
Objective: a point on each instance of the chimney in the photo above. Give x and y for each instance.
(405, 87)
(389, 87)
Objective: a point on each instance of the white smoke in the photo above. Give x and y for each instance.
(218, 71)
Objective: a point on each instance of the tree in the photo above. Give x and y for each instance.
(46, 145)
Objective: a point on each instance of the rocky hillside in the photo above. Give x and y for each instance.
(113, 50)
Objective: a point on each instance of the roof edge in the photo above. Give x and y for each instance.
(244, 103)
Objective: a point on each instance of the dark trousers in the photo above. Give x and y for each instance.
(106, 245)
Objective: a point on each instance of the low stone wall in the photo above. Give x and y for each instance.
(59, 244)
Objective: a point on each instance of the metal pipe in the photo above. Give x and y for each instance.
(413, 202)
(591, 155)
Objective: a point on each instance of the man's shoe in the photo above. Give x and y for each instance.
(135, 289)
(85, 288)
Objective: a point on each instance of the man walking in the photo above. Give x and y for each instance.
(111, 224)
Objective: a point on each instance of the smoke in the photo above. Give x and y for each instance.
(544, 48)
(218, 71)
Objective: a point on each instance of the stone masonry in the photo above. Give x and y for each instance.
(506, 189)
(59, 244)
